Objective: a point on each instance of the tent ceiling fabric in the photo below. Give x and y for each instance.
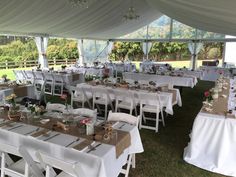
(102, 20)
(209, 15)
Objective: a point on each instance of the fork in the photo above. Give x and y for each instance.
(37, 129)
(93, 148)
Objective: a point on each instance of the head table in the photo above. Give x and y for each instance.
(213, 138)
(71, 146)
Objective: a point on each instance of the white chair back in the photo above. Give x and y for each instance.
(58, 78)
(55, 107)
(39, 75)
(2, 98)
(20, 76)
(152, 99)
(86, 112)
(74, 170)
(123, 117)
(48, 76)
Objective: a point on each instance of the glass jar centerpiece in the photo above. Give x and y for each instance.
(14, 110)
(36, 110)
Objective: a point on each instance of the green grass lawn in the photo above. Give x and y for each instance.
(163, 151)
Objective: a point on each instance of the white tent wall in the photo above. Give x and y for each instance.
(230, 48)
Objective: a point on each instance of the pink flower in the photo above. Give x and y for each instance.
(64, 96)
(207, 93)
(85, 121)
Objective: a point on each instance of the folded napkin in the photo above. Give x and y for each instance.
(41, 132)
(83, 145)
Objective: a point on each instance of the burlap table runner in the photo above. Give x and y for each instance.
(41, 132)
(174, 95)
(220, 105)
(75, 77)
(7, 124)
(122, 142)
(20, 91)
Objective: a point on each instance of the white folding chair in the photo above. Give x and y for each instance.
(38, 75)
(24, 167)
(81, 94)
(125, 100)
(19, 74)
(39, 89)
(68, 170)
(86, 112)
(49, 81)
(150, 103)
(55, 107)
(58, 84)
(102, 97)
(29, 76)
(131, 120)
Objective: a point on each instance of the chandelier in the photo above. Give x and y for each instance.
(131, 14)
(79, 3)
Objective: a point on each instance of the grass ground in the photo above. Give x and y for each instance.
(163, 151)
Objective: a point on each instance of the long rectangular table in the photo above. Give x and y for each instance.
(101, 162)
(185, 81)
(213, 138)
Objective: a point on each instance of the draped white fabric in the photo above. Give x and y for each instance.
(146, 48)
(42, 43)
(109, 48)
(210, 15)
(103, 19)
(194, 49)
(81, 52)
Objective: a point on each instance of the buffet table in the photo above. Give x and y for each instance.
(70, 146)
(213, 137)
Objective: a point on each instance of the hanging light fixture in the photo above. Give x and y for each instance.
(131, 14)
(79, 3)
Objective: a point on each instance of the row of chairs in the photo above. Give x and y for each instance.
(42, 165)
(149, 103)
(54, 83)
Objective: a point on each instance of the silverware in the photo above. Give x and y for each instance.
(15, 127)
(51, 137)
(37, 129)
(93, 148)
(72, 142)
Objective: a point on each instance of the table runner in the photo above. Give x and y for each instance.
(75, 77)
(220, 105)
(123, 138)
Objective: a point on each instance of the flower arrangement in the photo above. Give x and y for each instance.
(208, 95)
(11, 99)
(65, 98)
(4, 77)
(63, 67)
(37, 110)
(85, 121)
(13, 113)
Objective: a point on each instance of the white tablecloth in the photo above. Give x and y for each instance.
(101, 162)
(176, 81)
(166, 98)
(8, 91)
(213, 144)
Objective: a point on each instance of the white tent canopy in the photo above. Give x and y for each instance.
(103, 19)
(210, 15)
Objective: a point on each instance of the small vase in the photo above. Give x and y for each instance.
(14, 115)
